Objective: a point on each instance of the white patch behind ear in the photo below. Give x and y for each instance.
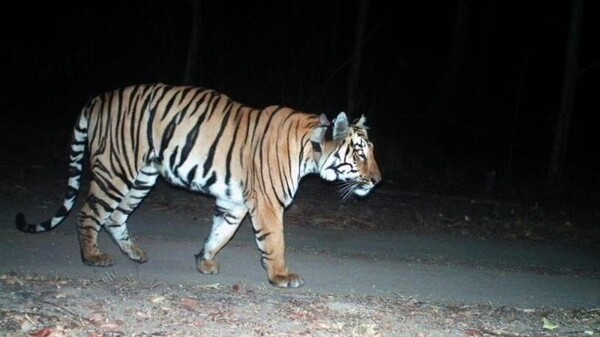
(323, 120)
(340, 127)
(318, 134)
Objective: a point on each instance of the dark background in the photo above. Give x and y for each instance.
(506, 89)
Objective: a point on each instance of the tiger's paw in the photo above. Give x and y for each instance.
(287, 281)
(99, 260)
(138, 255)
(208, 266)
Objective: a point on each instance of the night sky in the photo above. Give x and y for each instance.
(506, 88)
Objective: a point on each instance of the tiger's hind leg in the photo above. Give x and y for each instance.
(226, 221)
(97, 208)
(105, 196)
(116, 223)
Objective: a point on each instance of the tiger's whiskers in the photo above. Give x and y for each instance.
(347, 188)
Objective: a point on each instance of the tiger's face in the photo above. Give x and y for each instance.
(349, 158)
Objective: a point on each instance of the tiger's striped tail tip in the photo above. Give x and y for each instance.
(23, 226)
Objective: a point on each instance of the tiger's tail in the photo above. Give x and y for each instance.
(76, 154)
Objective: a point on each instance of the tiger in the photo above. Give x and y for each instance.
(250, 160)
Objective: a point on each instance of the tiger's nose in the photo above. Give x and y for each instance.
(375, 180)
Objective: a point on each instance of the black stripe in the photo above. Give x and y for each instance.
(247, 126)
(107, 187)
(211, 180)
(71, 192)
(212, 103)
(262, 237)
(184, 93)
(169, 105)
(166, 139)
(260, 148)
(151, 115)
(190, 140)
(117, 167)
(233, 142)
(213, 147)
(191, 175)
(220, 211)
(173, 158)
(74, 172)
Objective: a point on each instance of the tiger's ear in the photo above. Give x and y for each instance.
(341, 129)
(361, 122)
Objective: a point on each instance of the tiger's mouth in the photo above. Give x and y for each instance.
(360, 187)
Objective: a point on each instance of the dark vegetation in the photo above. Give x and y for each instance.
(463, 97)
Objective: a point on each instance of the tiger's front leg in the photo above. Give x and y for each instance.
(226, 220)
(267, 223)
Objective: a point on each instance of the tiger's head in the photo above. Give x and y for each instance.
(347, 156)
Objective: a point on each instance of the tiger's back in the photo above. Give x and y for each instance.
(197, 138)
(250, 160)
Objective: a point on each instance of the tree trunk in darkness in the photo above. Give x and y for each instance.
(561, 133)
(447, 82)
(353, 79)
(191, 66)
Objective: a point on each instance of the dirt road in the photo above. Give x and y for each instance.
(429, 268)
(336, 262)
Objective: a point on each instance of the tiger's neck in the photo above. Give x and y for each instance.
(312, 160)
(321, 166)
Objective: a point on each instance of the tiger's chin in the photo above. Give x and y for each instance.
(355, 187)
(363, 191)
